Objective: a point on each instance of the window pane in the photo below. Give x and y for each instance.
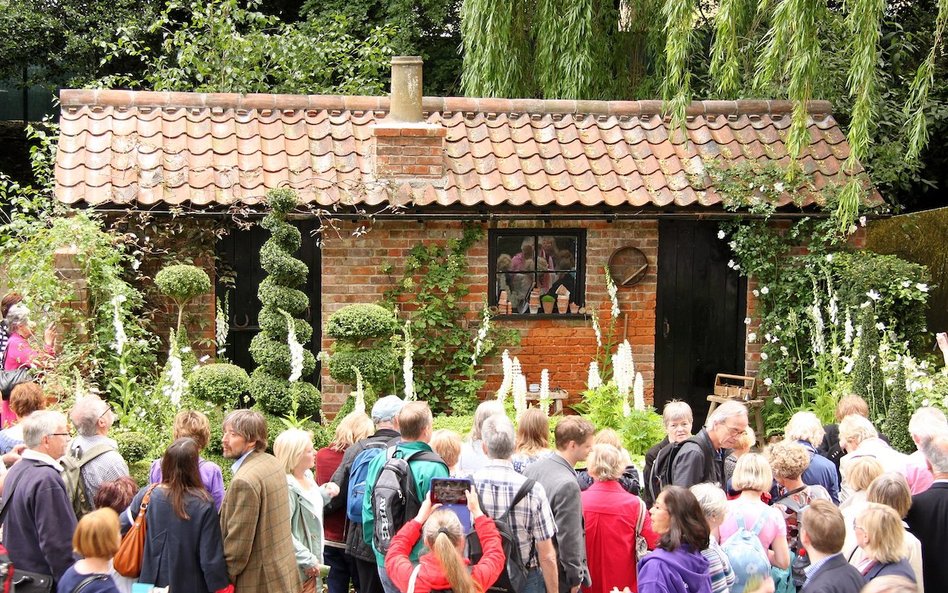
(516, 253)
(518, 295)
(559, 251)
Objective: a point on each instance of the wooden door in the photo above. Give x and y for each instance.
(699, 314)
(239, 255)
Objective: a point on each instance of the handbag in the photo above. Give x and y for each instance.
(641, 545)
(128, 560)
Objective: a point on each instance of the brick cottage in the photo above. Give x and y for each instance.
(561, 188)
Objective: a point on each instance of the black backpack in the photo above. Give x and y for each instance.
(394, 497)
(661, 475)
(514, 576)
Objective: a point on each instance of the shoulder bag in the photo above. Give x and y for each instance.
(128, 560)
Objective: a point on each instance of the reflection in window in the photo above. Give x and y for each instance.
(537, 272)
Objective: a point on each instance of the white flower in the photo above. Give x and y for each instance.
(638, 393)
(186, 349)
(926, 402)
(613, 294)
(764, 356)
(906, 283)
(175, 384)
(751, 337)
(784, 351)
(778, 187)
(507, 382)
(777, 400)
(408, 370)
(768, 381)
(852, 229)
(880, 326)
(829, 257)
(768, 337)
(204, 358)
(136, 264)
(778, 328)
(481, 335)
(747, 321)
(862, 221)
(296, 349)
(732, 245)
(731, 264)
(544, 400)
(119, 299)
(922, 287)
(594, 380)
(764, 290)
(519, 389)
(755, 292)
(121, 339)
(595, 324)
(221, 326)
(359, 393)
(721, 235)
(872, 294)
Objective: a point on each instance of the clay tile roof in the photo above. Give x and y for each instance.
(148, 148)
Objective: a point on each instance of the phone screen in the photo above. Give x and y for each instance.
(450, 490)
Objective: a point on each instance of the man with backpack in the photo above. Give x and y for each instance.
(92, 458)
(521, 512)
(397, 480)
(350, 477)
(701, 458)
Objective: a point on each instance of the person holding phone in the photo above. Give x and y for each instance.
(444, 567)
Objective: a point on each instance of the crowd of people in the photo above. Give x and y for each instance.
(828, 509)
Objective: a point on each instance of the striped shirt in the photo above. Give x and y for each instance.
(530, 521)
(719, 567)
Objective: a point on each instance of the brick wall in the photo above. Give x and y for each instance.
(409, 151)
(352, 274)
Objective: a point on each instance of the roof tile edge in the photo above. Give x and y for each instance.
(122, 98)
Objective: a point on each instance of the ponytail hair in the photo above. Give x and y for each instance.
(443, 534)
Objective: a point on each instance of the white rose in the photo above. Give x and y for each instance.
(747, 321)
(763, 356)
(768, 381)
(764, 290)
(721, 234)
(752, 337)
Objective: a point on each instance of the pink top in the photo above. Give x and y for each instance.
(918, 477)
(20, 354)
(774, 525)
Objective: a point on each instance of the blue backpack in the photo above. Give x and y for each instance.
(747, 555)
(357, 477)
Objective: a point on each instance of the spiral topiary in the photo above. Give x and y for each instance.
(280, 293)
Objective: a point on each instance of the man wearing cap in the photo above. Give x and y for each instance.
(385, 416)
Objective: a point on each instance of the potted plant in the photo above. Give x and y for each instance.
(547, 301)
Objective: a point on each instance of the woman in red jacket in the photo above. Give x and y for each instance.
(444, 567)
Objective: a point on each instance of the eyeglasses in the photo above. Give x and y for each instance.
(61, 434)
(735, 431)
(107, 411)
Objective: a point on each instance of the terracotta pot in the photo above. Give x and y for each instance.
(548, 306)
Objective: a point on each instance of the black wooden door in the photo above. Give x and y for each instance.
(239, 255)
(699, 315)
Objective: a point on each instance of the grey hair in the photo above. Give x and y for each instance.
(712, 499)
(805, 426)
(726, 410)
(936, 452)
(498, 436)
(485, 410)
(39, 424)
(676, 410)
(85, 414)
(17, 316)
(856, 427)
(927, 423)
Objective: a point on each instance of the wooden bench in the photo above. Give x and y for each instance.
(557, 397)
(743, 389)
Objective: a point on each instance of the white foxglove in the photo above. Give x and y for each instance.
(359, 394)
(519, 389)
(594, 380)
(296, 349)
(545, 391)
(408, 370)
(481, 336)
(175, 385)
(638, 392)
(121, 339)
(595, 323)
(613, 294)
(506, 383)
(221, 326)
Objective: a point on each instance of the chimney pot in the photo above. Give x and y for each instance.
(406, 89)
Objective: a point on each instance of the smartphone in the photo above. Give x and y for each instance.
(450, 490)
(452, 494)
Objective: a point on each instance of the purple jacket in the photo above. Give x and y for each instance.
(210, 475)
(681, 571)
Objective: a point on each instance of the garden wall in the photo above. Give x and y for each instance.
(352, 274)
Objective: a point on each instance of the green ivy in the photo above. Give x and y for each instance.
(435, 281)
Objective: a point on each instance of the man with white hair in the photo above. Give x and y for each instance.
(95, 451)
(928, 516)
(926, 423)
(701, 458)
(472, 452)
(531, 519)
(859, 438)
(806, 429)
(38, 520)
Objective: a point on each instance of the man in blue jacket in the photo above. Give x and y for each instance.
(39, 523)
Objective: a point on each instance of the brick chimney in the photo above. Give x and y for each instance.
(405, 145)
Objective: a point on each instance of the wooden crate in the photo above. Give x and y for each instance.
(739, 387)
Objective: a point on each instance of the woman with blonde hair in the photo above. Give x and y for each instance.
(195, 425)
(443, 567)
(613, 520)
(881, 537)
(294, 450)
(892, 490)
(629, 480)
(533, 438)
(447, 444)
(859, 475)
(752, 477)
(96, 539)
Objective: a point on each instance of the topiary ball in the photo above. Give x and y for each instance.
(220, 383)
(134, 446)
(377, 365)
(182, 282)
(362, 321)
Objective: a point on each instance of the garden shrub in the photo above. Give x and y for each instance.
(367, 338)
(135, 446)
(220, 383)
(140, 471)
(182, 282)
(460, 424)
(281, 298)
(639, 431)
(895, 425)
